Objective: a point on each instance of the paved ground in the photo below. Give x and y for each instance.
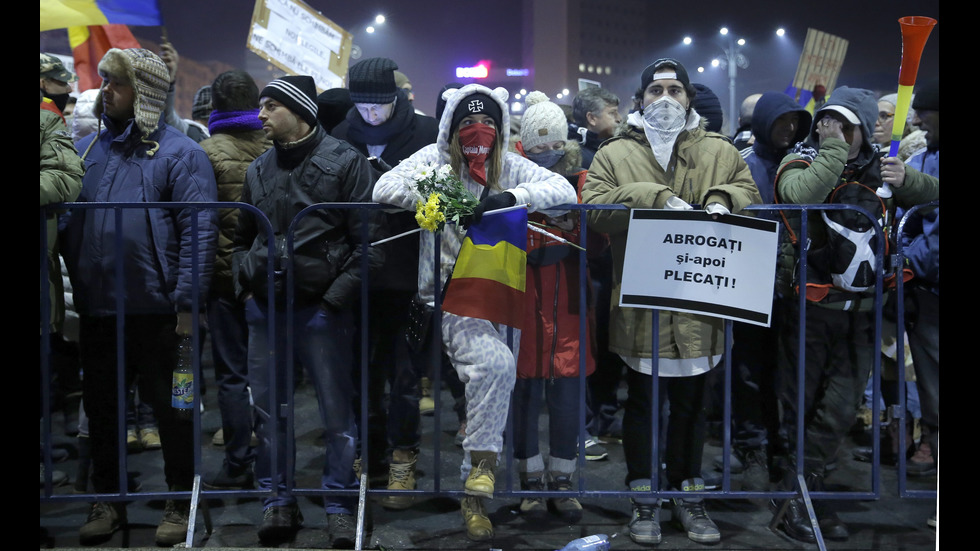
(434, 522)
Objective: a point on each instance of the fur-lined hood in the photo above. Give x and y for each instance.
(454, 97)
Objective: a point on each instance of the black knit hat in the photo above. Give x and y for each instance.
(297, 93)
(707, 104)
(373, 81)
(927, 97)
(647, 77)
(477, 104)
(333, 106)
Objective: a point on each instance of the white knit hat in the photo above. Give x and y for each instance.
(543, 121)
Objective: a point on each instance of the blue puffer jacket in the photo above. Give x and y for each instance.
(156, 243)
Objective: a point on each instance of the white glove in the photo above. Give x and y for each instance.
(676, 203)
(717, 209)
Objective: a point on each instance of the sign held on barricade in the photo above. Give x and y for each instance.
(688, 262)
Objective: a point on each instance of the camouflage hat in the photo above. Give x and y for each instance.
(52, 67)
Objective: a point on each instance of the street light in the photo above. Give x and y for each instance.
(733, 60)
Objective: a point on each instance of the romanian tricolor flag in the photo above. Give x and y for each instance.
(60, 14)
(491, 270)
(89, 44)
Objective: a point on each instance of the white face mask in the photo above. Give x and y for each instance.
(666, 116)
(663, 121)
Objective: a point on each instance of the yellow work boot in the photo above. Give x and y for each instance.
(478, 527)
(427, 406)
(401, 476)
(481, 479)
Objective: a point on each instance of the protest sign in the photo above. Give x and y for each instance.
(688, 262)
(299, 40)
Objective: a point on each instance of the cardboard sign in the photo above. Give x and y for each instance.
(299, 40)
(685, 261)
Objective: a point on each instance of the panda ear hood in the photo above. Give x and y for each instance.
(454, 97)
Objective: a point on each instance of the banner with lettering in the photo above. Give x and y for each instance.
(688, 262)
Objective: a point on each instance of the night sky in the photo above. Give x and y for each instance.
(429, 39)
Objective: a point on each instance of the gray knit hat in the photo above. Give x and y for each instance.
(373, 81)
(543, 121)
(297, 93)
(202, 103)
(150, 80)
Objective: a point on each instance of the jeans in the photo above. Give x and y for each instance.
(322, 345)
(150, 356)
(839, 350)
(922, 324)
(397, 425)
(755, 409)
(229, 350)
(562, 396)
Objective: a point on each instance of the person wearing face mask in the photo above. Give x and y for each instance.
(55, 85)
(548, 360)
(840, 323)
(473, 141)
(664, 158)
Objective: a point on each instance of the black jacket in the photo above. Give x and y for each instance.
(404, 133)
(326, 244)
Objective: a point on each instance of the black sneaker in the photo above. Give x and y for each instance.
(341, 527)
(644, 526)
(229, 479)
(279, 523)
(594, 450)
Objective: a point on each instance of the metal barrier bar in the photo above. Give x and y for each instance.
(283, 406)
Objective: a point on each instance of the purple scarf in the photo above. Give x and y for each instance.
(234, 121)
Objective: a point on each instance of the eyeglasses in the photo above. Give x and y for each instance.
(885, 117)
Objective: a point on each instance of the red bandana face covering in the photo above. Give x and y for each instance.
(477, 141)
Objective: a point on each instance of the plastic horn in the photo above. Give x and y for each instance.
(915, 32)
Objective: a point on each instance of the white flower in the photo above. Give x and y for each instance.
(444, 171)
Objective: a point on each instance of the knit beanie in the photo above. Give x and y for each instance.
(202, 103)
(297, 93)
(647, 77)
(707, 104)
(542, 122)
(332, 107)
(373, 81)
(927, 97)
(150, 80)
(477, 104)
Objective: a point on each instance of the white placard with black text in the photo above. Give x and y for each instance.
(688, 262)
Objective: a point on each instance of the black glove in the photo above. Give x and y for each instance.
(492, 202)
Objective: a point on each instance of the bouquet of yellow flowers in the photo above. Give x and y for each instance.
(442, 197)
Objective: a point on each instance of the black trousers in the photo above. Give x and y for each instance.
(685, 428)
(150, 356)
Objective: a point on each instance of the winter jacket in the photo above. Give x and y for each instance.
(707, 169)
(230, 154)
(403, 134)
(326, 243)
(61, 181)
(538, 186)
(157, 261)
(550, 338)
(763, 157)
(811, 172)
(922, 231)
